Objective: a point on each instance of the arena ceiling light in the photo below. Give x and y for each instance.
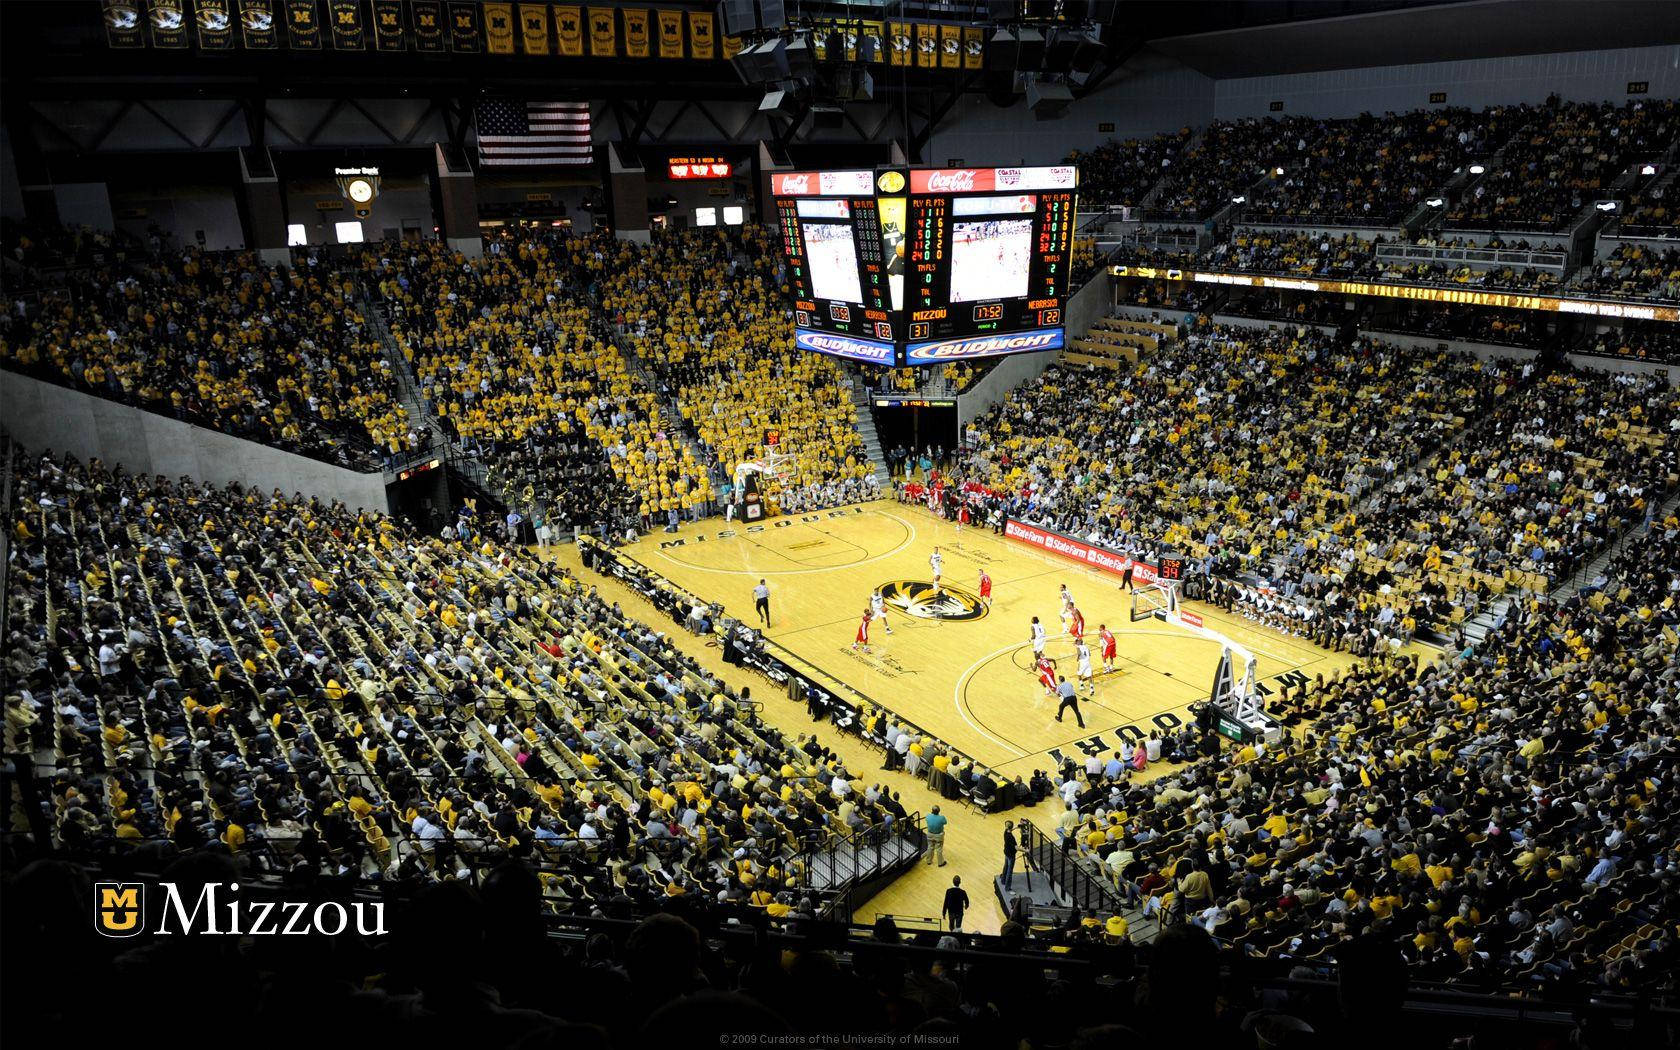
(1648, 169)
(1606, 206)
(1239, 199)
(1278, 171)
(1477, 169)
(1436, 202)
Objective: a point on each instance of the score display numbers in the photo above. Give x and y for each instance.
(942, 263)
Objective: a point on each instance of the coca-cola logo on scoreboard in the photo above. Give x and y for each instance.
(792, 185)
(953, 180)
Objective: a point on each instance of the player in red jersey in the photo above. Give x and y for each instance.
(1047, 674)
(985, 589)
(1108, 646)
(1078, 631)
(862, 639)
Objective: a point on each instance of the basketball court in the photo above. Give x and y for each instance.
(956, 669)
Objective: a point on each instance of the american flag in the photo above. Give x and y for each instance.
(532, 133)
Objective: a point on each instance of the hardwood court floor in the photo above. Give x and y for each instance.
(968, 682)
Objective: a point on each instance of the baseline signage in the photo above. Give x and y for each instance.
(868, 350)
(1421, 293)
(1079, 551)
(985, 346)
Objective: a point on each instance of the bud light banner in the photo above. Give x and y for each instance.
(867, 350)
(939, 351)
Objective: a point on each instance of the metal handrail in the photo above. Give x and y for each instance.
(1088, 893)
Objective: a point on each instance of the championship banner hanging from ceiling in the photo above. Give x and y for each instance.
(729, 47)
(974, 47)
(463, 26)
(701, 42)
(670, 34)
(122, 23)
(636, 39)
(169, 23)
(428, 25)
(388, 25)
(349, 32)
(498, 28)
(898, 43)
(568, 29)
(950, 47)
(215, 24)
(603, 32)
(256, 19)
(927, 45)
(303, 25)
(533, 28)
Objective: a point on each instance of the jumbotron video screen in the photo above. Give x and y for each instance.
(918, 266)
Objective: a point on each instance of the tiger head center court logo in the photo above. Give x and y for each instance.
(917, 598)
(119, 908)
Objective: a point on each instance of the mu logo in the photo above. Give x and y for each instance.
(917, 598)
(119, 908)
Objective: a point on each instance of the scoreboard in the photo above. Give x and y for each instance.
(918, 266)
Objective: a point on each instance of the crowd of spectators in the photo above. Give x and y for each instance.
(280, 355)
(1229, 156)
(1347, 257)
(320, 693)
(1562, 159)
(1372, 171)
(1641, 340)
(1250, 450)
(1119, 173)
(1633, 271)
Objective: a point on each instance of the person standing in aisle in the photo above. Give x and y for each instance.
(935, 822)
(956, 902)
(761, 602)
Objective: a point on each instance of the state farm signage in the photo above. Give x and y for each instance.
(1096, 557)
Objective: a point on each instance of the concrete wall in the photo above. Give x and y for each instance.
(1153, 94)
(1485, 351)
(1590, 76)
(45, 416)
(1088, 306)
(404, 202)
(84, 204)
(181, 212)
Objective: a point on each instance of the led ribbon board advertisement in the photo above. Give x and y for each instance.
(943, 263)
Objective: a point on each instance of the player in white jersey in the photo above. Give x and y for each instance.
(1037, 637)
(1067, 608)
(936, 562)
(878, 607)
(1087, 681)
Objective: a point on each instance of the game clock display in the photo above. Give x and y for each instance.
(921, 266)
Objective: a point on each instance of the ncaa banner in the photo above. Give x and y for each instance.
(388, 25)
(348, 32)
(533, 28)
(463, 26)
(428, 26)
(568, 29)
(638, 42)
(169, 23)
(603, 32)
(876, 353)
(701, 42)
(215, 24)
(927, 45)
(256, 19)
(898, 43)
(941, 350)
(729, 47)
(974, 47)
(122, 23)
(303, 25)
(950, 47)
(670, 34)
(498, 28)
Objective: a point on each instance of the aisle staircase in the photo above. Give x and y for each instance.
(866, 430)
(857, 865)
